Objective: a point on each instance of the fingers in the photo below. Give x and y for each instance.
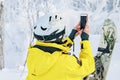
(78, 33)
(77, 27)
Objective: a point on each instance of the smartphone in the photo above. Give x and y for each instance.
(83, 20)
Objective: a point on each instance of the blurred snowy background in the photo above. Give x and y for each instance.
(21, 15)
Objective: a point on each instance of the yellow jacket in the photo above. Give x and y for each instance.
(43, 65)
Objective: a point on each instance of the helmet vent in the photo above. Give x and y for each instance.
(50, 18)
(43, 28)
(35, 27)
(55, 16)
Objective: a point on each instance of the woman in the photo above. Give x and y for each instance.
(48, 59)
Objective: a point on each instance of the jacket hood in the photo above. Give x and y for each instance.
(63, 47)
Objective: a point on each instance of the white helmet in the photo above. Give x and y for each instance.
(50, 28)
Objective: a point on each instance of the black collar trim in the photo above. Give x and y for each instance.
(47, 49)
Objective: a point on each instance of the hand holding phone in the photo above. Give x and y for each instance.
(83, 20)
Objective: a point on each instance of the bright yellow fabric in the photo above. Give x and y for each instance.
(58, 66)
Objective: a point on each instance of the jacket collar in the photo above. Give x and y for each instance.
(63, 48)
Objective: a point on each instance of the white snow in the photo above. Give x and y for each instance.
(12, 74)
(114, 69)
(21, 15)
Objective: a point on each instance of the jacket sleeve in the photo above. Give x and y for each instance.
(86, 58)
(84, 65)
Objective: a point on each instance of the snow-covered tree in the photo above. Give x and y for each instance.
(1, 34)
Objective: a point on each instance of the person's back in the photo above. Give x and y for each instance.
(49, 58)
